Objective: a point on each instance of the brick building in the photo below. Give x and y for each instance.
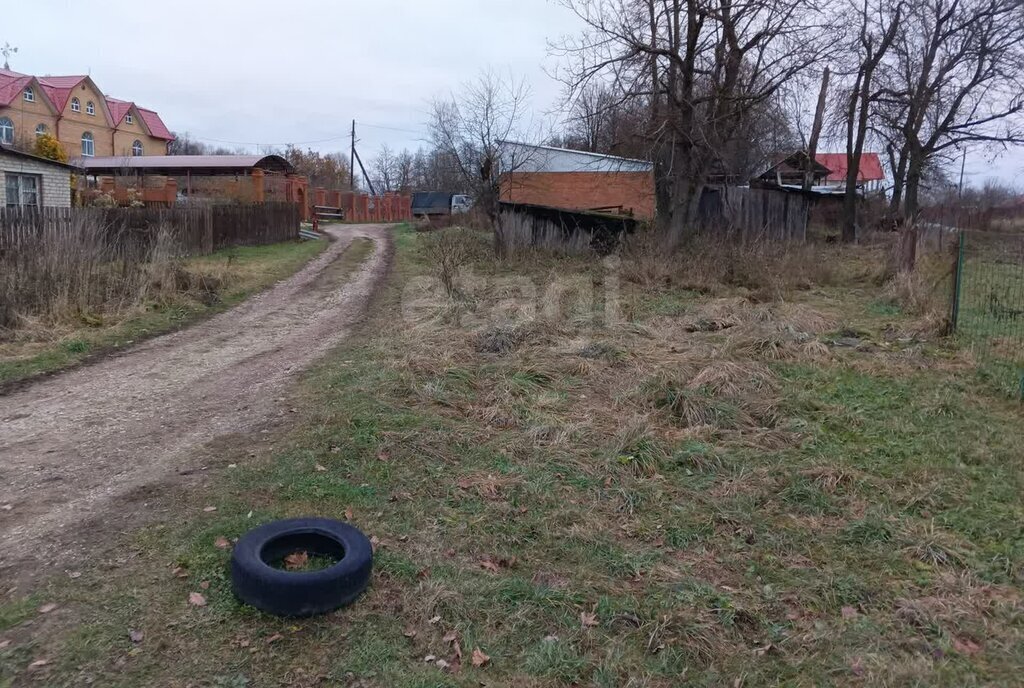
(577, 180)
(75, 111)
(27, 181)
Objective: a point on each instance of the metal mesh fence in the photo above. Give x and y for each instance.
(988, 311)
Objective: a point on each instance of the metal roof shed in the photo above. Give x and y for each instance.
(185, 165)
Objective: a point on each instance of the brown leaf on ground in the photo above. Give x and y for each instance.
(375, 543)
(496, 565)
(196, 599)
(47, 608)
(450, 636)
(296, 560)
(848, 612)
(179, 572)
(856, 667)
(348, 514)
(4, 643)
(966, 646)
(409, 633)
(274, 638)
(209, 509)
(39, 663)
(434, 620)
(204, 585)
(136, 636)
(588, 619)
(222, 543)
(479, 658)
(489, 565)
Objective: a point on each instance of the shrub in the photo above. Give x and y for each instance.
(47, 146)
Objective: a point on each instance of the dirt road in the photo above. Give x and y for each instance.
(73, 446)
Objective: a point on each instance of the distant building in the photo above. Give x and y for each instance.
(75, 111)
(577, 180)
(27, 181)
(870, 176)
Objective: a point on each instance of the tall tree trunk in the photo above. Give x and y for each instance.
(819, 116)
(911, 208)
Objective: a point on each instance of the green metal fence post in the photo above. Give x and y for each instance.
(957, 283)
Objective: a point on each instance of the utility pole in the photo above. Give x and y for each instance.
(352, 161)
(963, 162)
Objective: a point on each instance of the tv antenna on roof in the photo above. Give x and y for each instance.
(7, 51)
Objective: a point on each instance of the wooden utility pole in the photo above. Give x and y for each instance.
(352, 161)
(812, 146)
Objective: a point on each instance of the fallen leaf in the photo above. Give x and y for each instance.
(375, 543)
(38, 663)
(763, 650)
(4, 643)
(296, 560)
(966, 646)
(136, 636)
(848, 612)
(424, 572)
(588, 619)
(441, 664)
(74, 574)
(489, 565)
(383, 456)
(348, 514)
(434, 620)
(209, 509)
(47, 608)
(274, 638)
(409, 633)
(196, 599)
(320, 468)
(205, 585)
(222, 543)
(551, 638)
(179, 572)
(232, 465)
(429, 658)
(856, 667)
(450, 636)
(479, 658)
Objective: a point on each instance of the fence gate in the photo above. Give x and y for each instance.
(988, 304)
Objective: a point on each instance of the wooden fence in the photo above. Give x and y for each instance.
(197, 230)
(753, 214)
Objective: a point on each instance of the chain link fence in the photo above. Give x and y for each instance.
(988, 304)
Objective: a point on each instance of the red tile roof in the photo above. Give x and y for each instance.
(58, 90)
(870, 167)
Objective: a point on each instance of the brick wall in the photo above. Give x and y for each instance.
(56, 180)
(633, 191)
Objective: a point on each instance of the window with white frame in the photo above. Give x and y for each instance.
(40, 129)
(128, 118)
(6, 130)
(76, 105)
(30, 95)
(90, 108)
(22, 190)
(88, 148)
(137, 148)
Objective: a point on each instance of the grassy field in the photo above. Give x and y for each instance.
(740, 481)
(228, 276)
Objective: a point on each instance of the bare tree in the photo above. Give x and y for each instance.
(703, 66)
(878, 21)
(469, 129)
(957, 79)
(383, 169)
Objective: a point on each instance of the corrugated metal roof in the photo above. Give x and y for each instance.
(7, 150)
(526, 157)
(170, 164)
(870, 167)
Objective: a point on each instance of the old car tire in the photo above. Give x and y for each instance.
(301, 593)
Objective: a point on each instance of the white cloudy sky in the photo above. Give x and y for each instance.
(276, 72)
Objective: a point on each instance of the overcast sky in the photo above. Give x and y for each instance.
(277, 72)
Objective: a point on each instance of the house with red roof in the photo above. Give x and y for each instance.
(75, 111)
(870, 175)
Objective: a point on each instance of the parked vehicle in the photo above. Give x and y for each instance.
(439, 203)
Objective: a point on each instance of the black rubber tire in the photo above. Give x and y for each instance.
(301, 593)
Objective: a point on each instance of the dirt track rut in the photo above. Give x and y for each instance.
(73, 445)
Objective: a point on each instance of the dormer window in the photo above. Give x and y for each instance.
(90, 109)
(128, 119)
(30, 95)
(76, 105)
